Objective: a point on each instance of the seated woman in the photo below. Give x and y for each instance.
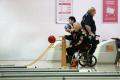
(76, 40)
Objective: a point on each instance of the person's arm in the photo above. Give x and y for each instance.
(68, 37)
(87, 22)
(67, 30)
(88, 28)
(80, 41)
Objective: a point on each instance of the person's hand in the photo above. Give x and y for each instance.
(92, 34)
(71, 30)
(63, 37)
(77, 44)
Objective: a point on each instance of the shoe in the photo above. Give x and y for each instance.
(74, 63)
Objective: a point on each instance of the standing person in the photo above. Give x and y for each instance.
(69, 28)
(89, 26)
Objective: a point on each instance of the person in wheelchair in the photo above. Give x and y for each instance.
(83, 52)
(76, 40)
(88, 24)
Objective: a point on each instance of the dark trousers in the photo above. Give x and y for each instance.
(92, 50)
(70, 52)
(73, 49)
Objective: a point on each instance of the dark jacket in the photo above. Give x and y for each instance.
(88, 20)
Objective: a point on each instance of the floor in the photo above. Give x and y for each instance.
(57, 65)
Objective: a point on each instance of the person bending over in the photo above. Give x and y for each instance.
(77, 38)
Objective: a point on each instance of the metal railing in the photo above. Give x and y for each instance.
(55, 74)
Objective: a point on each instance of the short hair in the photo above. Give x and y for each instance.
(72, 18)
(91, 10)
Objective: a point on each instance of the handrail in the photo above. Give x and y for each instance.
(60, 74)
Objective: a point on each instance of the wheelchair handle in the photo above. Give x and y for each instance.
(97, 35)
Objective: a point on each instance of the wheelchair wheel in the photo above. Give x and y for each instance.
(94, 61)
(82, 61)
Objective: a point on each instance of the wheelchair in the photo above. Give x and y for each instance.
(83, 57)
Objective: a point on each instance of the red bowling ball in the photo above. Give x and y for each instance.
(51, 39)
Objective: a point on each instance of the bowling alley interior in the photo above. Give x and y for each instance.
(59, 39)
